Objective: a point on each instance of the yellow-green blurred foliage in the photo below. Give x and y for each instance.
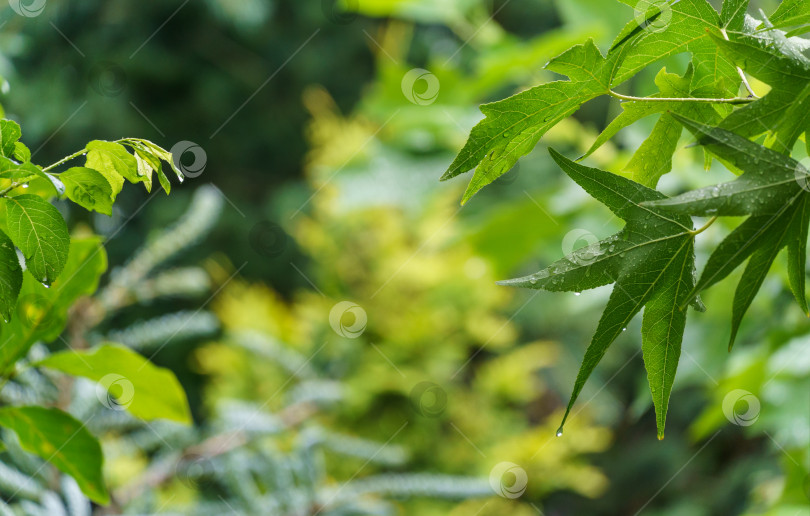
(435, 319)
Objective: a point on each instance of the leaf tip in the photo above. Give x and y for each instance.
(661, 436)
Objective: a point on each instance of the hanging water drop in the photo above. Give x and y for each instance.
(559, 432)
(577, 293)
(25, 185)
(624, 329)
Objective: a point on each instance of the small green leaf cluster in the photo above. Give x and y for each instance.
(35, 227)
(43, 274)
(651, 261)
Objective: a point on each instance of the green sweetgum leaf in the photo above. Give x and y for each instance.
(678, 27)
(773, 190)
(146, 390)
(651, 263)
(732, 16)
(784, 113)
(791, 13)
(513, 126)
(39, 230)
(62, 441)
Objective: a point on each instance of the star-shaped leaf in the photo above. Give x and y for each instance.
(513, 126)
(784, 113)
(678, 27)
(651, 262)
(773, 190)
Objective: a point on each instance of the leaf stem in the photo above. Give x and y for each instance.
(65, 160)
(704, 227)
(9, 188)
(740, 70)
(735, 100)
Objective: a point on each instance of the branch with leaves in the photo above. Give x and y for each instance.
(43, 273)
(651, 261)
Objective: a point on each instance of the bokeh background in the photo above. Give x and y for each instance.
(331, 309)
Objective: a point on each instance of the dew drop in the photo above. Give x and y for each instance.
(715, 192)
(533, 281)
(577, 293)
(624, 329)
(559, 432)
(25, 185)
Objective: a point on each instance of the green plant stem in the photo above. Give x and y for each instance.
(704, 227)
(64, 160)
(6, 190)
(736, 100)
(79, 153)
(740, 70)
